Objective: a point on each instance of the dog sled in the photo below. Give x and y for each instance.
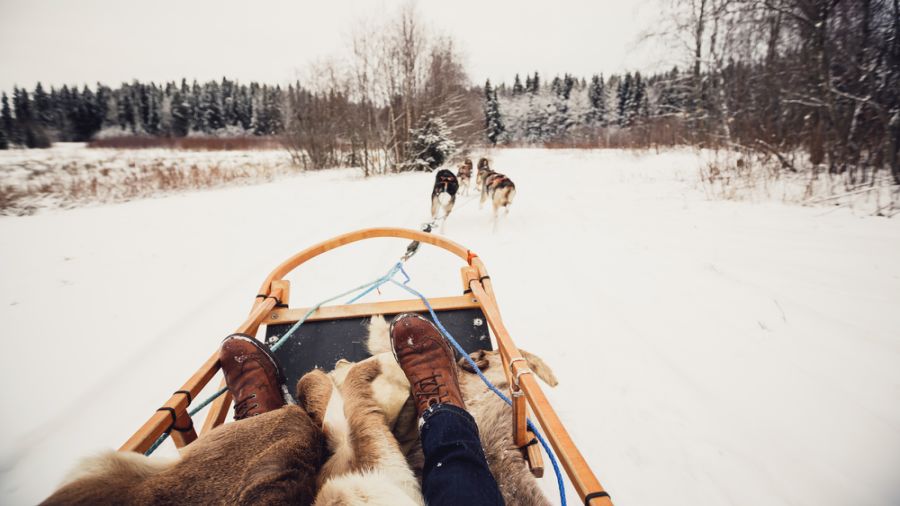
(306, 338)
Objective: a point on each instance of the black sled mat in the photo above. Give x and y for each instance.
(320, 344)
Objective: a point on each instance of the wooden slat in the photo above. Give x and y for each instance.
(535, 458)
(581, 475)
(367, 309)
(141, 440)
(218, 410)
(520, 427)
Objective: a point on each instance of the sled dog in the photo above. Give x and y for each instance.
(484, 167)
(443, 195)
(500, 189)
(464, 175)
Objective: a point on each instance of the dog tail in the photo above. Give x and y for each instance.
(540, 368)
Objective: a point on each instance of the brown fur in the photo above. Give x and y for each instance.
(464, 175)
(493, 416)
(484, 168)
(499, 188)
(367, 466)
(494, 419)
(271, 458)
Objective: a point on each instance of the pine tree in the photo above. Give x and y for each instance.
(430, 146)
(210, 107)
(623, 94)
(196, 112)
(7, 124)
(535, 121)
(181, 115)
(597, 97)
(494, 127)
(634, 100)
(535, 84)
(566, 86)
(517, 88)
(555, 86)
(43, 113)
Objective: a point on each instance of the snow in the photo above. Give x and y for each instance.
(69, 175)
(708, 351)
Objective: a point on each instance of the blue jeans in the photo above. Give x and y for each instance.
(456, 471)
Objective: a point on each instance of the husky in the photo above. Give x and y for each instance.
(484, 167)
(443, 195)
(499, 188)
(464, 175)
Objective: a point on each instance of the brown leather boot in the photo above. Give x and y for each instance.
(427, 360)
(252, 375)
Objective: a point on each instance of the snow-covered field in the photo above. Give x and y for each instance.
(709, 352)
(70, 175)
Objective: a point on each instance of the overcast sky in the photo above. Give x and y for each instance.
(85, 41)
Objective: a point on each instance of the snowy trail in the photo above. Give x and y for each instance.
(708, 352)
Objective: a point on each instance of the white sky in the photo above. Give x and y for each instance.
(85, 41)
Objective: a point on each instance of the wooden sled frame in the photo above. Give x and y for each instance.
(524, 388)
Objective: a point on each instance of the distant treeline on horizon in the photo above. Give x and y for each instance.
(39, 117)
(36, 118)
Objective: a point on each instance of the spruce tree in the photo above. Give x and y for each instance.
(517, 88)
(535, 121)
(43, 113)
(181, 115)
(634, 100)
(7, 124)
(623, 95)
(430, 145)
(597, 98)
(494, 127)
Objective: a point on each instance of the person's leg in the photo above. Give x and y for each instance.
(456, 471)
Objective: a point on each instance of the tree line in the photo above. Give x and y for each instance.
(226, 107)
(813, 84)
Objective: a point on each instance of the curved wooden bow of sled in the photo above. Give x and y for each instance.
(173, 416)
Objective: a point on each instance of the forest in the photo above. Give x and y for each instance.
(813, 85)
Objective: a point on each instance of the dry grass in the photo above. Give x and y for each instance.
(749, 176)
(67, 177)
(247, 143)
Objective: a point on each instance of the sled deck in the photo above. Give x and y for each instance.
(334, 332)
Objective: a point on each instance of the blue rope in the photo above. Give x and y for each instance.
(531, 426)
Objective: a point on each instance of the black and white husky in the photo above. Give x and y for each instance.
(443, 196)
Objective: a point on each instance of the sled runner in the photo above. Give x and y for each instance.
(329, 333)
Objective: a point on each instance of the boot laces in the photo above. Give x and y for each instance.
(428, 390)
(243, 406)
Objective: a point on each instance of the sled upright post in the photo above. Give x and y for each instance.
(326, 328)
